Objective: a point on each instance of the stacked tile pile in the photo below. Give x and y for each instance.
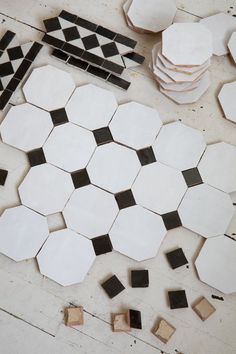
(180, 64)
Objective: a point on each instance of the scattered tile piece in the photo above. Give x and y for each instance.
(139, 278)
(227, 102)
(3, 177)
(176, 258)
(164, 331)
(74, 316)
(192, 177)
(177, 299)
(120, 322)
(113, 286)
(217, 297)
(135, 319)
(171, 220)
(204, 309)
(125, 199)
(102, 244)
(232, 46)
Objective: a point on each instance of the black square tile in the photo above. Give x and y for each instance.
(177, 299)
(139, 278)
(36, 157)
(68, 16)
(171, 220)
(109, 49)
(103, 135)
(6, 69)
(135, 319)
(192, 177)
(125, 199)
(4, 98)
(59, 116)
(102, 244)
(113, 286)
(13, 84)
(22, 70)
(33, 52)
(176, 258)
(6, 39)
(72, 49)
(105, 32)
(90, 42)
(78, 63)
(71, 33)
(92, 58)
(52, 24)
(15, 53)
(55, 42)
(109, 65)
(80, 178)
(94, 70)
(59, 54)
(3, 177)
(86, 24)
(119, 82)
(146, 156)
(125, 40)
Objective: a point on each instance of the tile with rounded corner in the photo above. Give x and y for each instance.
(232, 46)
(227, 100)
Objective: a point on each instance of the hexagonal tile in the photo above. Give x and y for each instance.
(113, 167)
(22, 233)
(152, 15)
(217, 166)
(179, 146)
(137, 233)
(221, 26)
(66, 257)
(227, 100)
(46, 189)
(196, 44)
(216, 264)
(135, 125)
(48, 87)
(232, 46)
(90, 211)
(26, 127)
(206, 210)
(159, 188)
(91, 107)
(69, 147)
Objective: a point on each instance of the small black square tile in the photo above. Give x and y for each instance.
(80, 178)
(4, 98)
(105, 32)
(72, 49)
(13, 84)
(171, 220)
(92, 58)
(68, 16)
(36, 157)
(71, 33)
(102, 244)
(90, 42)
(177, 299)
(146, 156)
(55, 42)
(6, 39)
(192, 177)
(94, 70)
(113, 286)
(109, 49)
(86, 24)
(125, 199)
(119, 82)
(176, 258)
(52, 24)
(115, 68)
(22, 70)
(125, 40)
(3, 177)
(59, 54)
(103, 135)
(59, 116)
(33, 52)
(78, 63)
(15, 53)
(139, 278)
(6, 69)
(135, 319)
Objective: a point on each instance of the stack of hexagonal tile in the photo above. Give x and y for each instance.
(120, 179)
(180, 65)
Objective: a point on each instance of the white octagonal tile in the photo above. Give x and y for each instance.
(91, 107)
(137, 233)
(66, 257)
(227, 100)
(152, 15)
(46, 189)
(135, 125)
(113, 167)
(216, 264)
(48, 87)
(179, 146)
(218, 166)
(26, 127)
(232, 46)
(206, 210)
(196, 44)
(22, 233)
(90, 211)
(221, 26)
(69, 147)
(159, 188)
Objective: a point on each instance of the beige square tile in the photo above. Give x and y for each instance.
(164, 331)
(121, 322)
(74, 316)
(204, 309)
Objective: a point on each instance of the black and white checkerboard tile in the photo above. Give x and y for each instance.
(15, 61)
(91, 43)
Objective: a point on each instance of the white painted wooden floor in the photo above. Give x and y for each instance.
(31, 307)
